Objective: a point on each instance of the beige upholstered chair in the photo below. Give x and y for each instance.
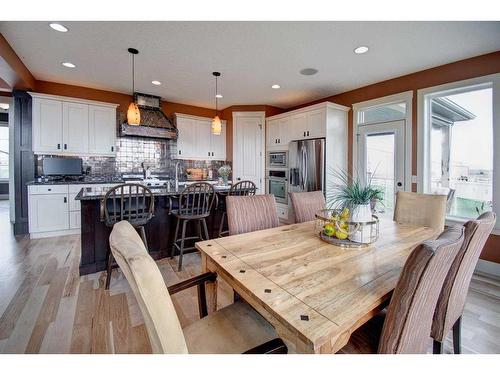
(251, 213)
(236, 328)
(420, 209)
(407, 325)
(448, 314)
(305, 205)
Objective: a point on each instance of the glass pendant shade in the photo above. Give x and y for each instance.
(134, 115)
(216, 125)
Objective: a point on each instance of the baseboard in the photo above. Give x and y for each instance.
(490, 269)
(55, 233)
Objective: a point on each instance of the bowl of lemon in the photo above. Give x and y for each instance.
(335, 227)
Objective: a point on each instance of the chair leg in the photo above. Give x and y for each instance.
(142, 232)
(198, 229)
(221, 226)
(109, 264)
(205, 229)
(457, 328)
(172, 252)
(181, 250)
(437, 347)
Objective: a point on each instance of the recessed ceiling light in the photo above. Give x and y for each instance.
(4, 106)
(219, 96)
(68, 64)
(308, 71)
(156, 83)
(361, 49)
(275, 86)
(58, 27)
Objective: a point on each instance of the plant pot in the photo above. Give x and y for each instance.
(361, 214)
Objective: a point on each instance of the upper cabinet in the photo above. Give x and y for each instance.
(195, 140)
(305, 123)
(67, 126)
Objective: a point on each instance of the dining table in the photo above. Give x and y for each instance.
(315, 294)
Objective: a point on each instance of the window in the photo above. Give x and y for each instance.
(4, 152)
(383, 113)
(462, 151)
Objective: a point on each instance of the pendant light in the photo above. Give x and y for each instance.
(133, 113)
(216, 123)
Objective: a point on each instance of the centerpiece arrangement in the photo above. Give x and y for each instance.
(224, 173)
(349, 220)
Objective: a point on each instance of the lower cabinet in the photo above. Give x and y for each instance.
(48, 212)
(53, 210)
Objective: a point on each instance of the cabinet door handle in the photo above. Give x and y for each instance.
(208, 153)
(179, 152)
(65, 200)
(58, 146)
(308, 133)
(49, 189)
(212, 153)
(304, 134)
(112, 149)
(65, 146)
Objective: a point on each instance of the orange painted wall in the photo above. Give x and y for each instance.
(470, 68)
(227, 114)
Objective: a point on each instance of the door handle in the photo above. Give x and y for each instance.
(58, 146)
(304, 134)
(179, 152)
(208, 153)
(65, 146)
(239, 178)
(112, 149)
(65, 200)
(308, 133)
(400, 184)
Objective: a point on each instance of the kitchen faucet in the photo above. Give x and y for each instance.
(177, 167)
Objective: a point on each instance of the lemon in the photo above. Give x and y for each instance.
(329, 230)
(345, 214)
(341, 235)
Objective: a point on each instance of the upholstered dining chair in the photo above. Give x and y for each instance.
(306, 204)
(420, 209)
(240, 188)
(236, 328)
(450, 306)
(407, 324)
(251, 213)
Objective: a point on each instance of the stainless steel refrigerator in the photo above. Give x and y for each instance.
(307, 165)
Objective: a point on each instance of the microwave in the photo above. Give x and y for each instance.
(277, 159)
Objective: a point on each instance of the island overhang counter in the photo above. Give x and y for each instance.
(160, 230)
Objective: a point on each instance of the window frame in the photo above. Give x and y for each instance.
(424, 98)
(6, 125)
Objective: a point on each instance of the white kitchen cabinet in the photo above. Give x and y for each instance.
(203, 139)
(70, 126)
(48, 212)
(196, 141)
(272, 133)
(47, 125)
(218, 144)
(75, 128)
(186, 138)
(315, 126)
(102, 130)
(298, 124)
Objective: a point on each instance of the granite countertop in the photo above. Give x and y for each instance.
(87, 194)
(111, 180)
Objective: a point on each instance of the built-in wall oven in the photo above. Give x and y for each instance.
(277, 159)
(277, 184)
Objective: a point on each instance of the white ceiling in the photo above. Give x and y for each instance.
(250, 55)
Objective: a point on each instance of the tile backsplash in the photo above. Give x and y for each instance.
(157, 154)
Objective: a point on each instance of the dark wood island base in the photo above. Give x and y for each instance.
(160, 232)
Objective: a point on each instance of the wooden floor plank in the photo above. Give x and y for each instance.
(120, 320)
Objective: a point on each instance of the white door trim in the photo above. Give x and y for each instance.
(407, 97)
(261, 115)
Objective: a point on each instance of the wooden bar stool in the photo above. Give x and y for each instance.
(195, 203)
(239, 189)
(133, 203)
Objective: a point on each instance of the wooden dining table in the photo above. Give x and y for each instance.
(315, 294)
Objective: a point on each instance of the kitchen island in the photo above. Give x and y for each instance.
(160, 230)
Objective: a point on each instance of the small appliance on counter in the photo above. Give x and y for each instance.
(58, 168)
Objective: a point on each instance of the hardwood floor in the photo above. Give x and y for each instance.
(45, 307)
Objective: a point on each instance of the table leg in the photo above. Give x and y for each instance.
(210, 287)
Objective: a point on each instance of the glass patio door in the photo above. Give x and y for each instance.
(381, 156)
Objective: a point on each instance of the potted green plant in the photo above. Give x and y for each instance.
(224, 173)
(350, 192)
